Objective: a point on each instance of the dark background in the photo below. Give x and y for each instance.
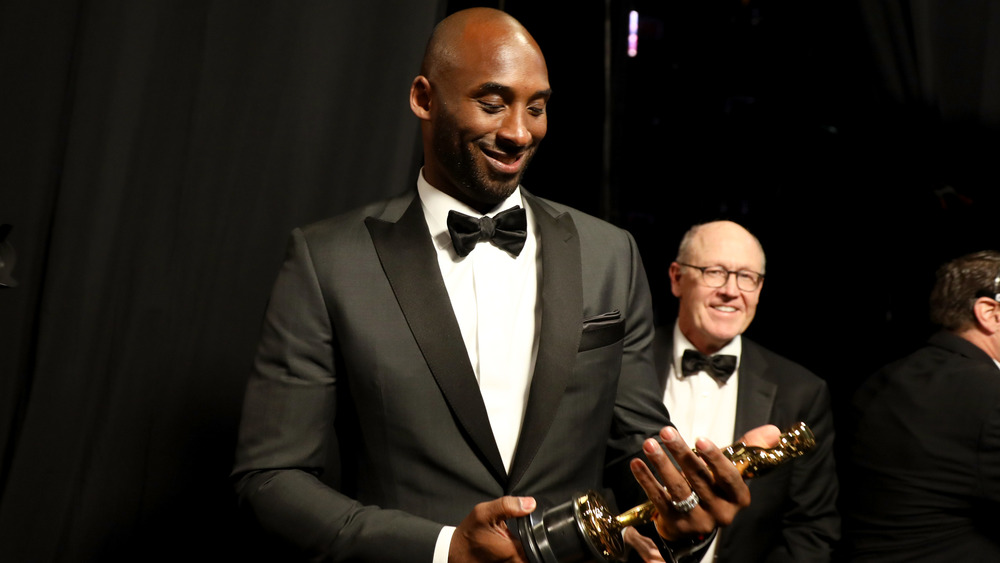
(154, 156)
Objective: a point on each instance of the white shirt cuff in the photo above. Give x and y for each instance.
(443, 544)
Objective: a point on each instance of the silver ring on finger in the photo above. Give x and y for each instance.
(686, 505)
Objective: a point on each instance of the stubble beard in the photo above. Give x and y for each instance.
(463, 164)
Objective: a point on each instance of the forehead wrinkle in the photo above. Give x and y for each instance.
(732, 256)
(732, 241)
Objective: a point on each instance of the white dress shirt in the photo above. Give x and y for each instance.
(699, 405)
(494, 297)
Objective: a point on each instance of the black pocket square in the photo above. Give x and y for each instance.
(602, 330)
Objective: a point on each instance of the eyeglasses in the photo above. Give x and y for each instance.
(995, 294)
(717, 276)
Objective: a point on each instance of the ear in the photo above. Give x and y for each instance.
(675, 279)
(987, 312)
(420, 97)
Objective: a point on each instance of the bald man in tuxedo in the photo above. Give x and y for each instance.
(718, 383)
(476, 350)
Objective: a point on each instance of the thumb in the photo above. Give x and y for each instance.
(644, 547)
(766, 436)
(513, 507)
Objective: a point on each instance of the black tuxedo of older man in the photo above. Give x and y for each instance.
(792, 515)
(360, 330)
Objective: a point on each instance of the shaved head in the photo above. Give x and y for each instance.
(481, 97)
(469, 27)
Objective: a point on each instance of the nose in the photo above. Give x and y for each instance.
(730, 287)
(514, 129)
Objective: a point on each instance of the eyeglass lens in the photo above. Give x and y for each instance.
(718, 277)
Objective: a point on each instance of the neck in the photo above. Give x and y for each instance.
(982, 340)
(704, 345)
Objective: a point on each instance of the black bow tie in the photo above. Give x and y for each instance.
(507, 230)
(719, 367)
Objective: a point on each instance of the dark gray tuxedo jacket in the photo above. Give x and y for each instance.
(792, 515)
(360, 340)
(925, 458)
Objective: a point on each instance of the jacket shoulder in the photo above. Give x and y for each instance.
(352, 223)
(580, 218)
(780, 368)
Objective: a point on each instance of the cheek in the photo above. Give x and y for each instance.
(470, 123)
(474, 129)
(538, 129)
(751, 310)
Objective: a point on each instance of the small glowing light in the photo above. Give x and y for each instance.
(633, 33)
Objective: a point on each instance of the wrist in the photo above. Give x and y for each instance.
(685, 547)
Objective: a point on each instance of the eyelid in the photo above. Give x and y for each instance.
(491, 105)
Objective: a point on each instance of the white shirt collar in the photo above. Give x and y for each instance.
(437, 204)
(734, 348)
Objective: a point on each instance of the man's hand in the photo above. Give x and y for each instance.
(766, 436)
(644, 547)
(720, 490)
(483, 535)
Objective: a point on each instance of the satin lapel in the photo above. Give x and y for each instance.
(408, 259)
(561, 298)
(754, 402)
(755, 396)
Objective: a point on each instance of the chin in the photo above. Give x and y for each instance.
(497, 189)
(724, 337)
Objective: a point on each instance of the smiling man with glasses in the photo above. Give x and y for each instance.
(717, 383)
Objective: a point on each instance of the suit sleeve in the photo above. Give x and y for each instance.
(811, 523)
(287, 422)
(987, 466)
(639, 409)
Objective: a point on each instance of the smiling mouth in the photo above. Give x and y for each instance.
(503, 162)
(725, 308)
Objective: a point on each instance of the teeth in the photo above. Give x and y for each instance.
(725, 309)
(502, 156)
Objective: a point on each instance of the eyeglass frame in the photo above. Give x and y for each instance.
(760, 277)
(994, 295)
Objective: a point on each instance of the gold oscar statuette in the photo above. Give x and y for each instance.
(588, 515)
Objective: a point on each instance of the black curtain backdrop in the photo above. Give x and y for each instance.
(857, 140)
(154, 156)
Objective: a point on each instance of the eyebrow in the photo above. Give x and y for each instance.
(497, 88)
